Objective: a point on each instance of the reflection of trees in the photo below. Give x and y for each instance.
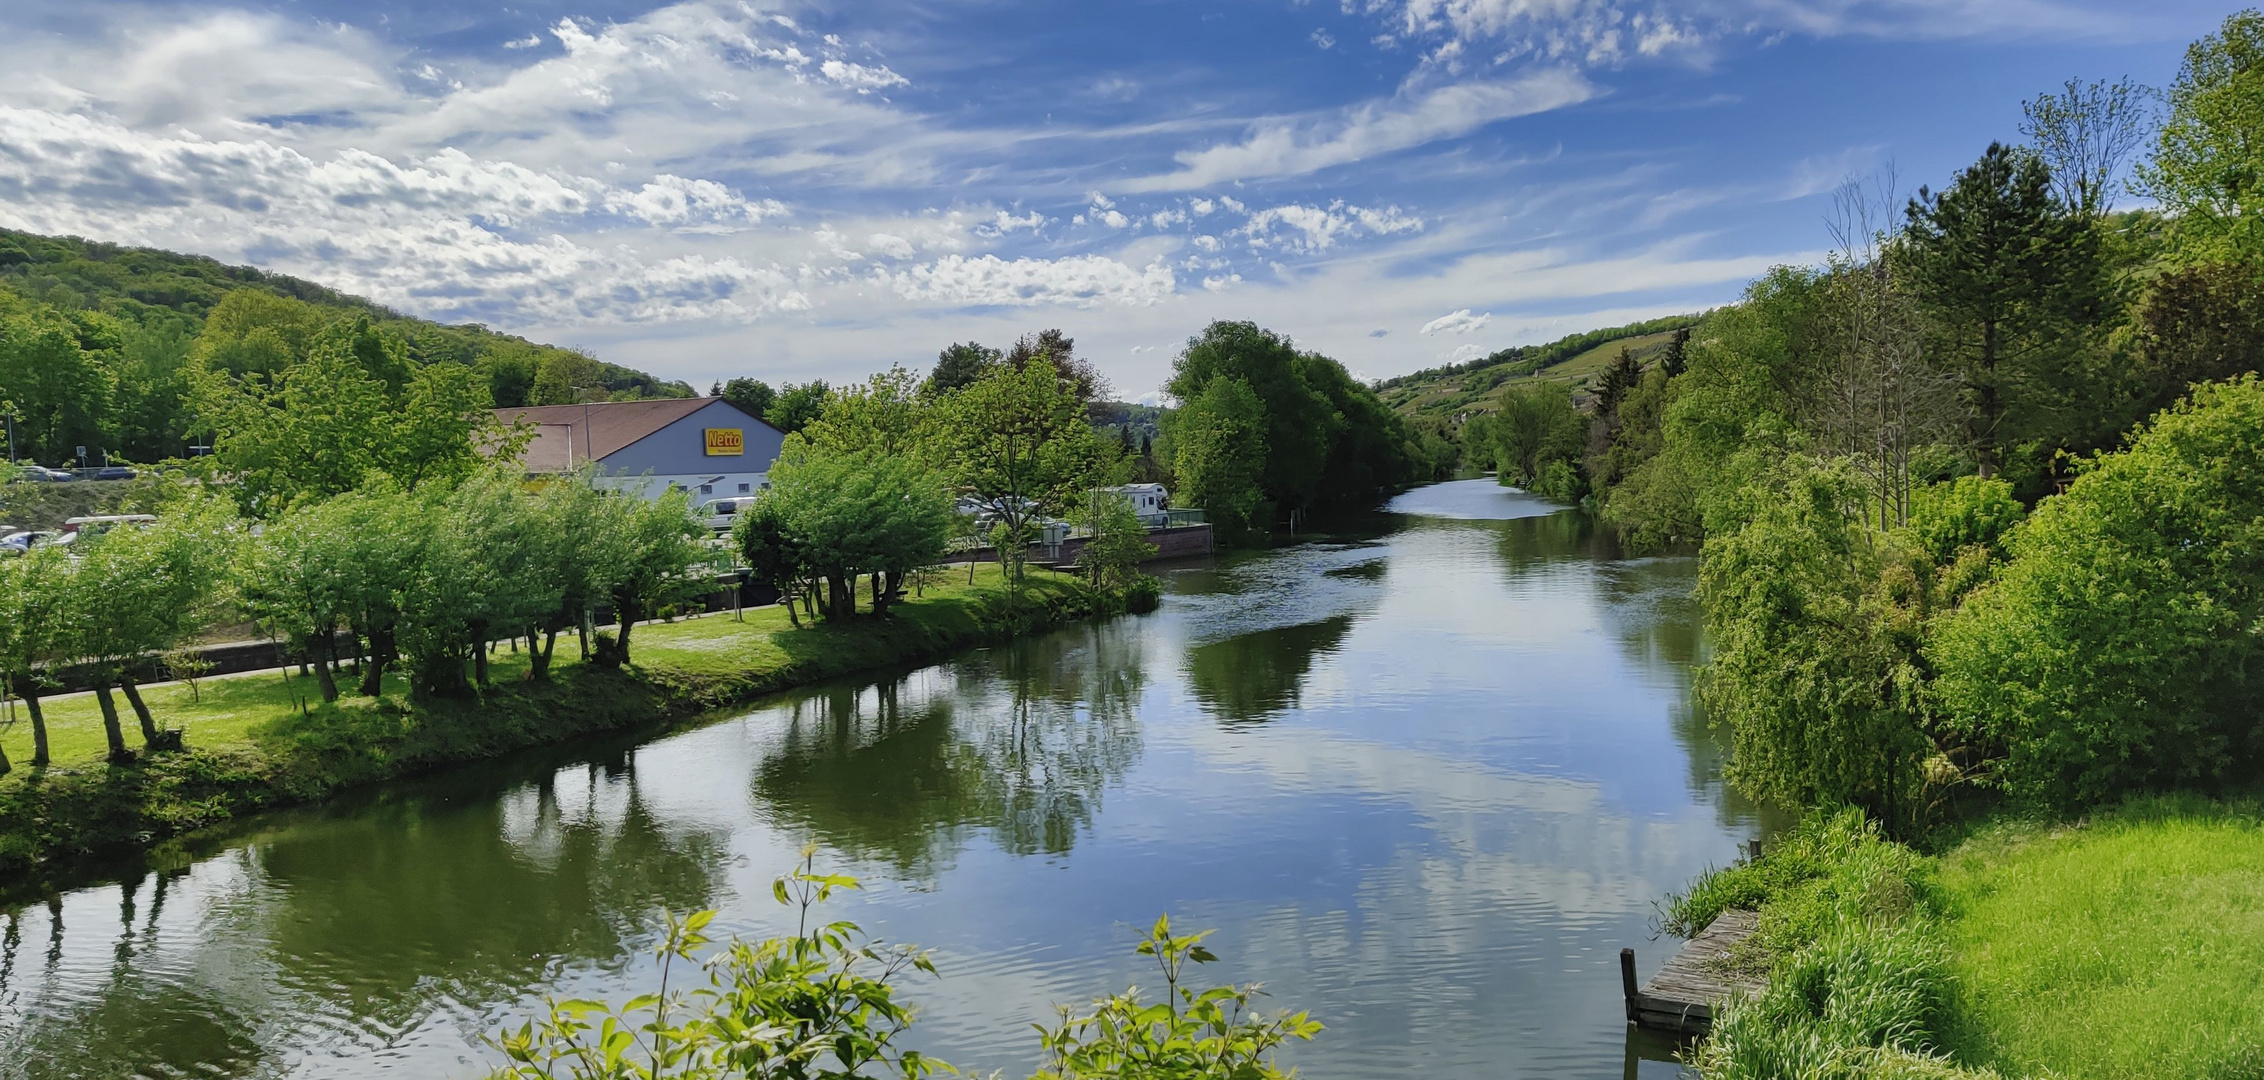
(1021, 743)
(369, 909)
(133, 1023)
(1257, 675)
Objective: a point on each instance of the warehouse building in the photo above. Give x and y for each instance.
(706, 446)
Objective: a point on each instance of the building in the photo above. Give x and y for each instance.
(706, 446)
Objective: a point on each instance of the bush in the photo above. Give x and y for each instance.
(2115, 651)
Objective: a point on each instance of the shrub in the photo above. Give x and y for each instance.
(2114, 651)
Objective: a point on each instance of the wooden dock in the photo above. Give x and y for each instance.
(1682, 996)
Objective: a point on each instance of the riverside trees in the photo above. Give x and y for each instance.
(1932, 558)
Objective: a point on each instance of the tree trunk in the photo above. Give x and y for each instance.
(325, 676)
(841, 596)
(110, 728)
(479, 662)
(380, 657)
(29, 691)
(538, 656)
(149, 732)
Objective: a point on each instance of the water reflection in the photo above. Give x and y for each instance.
(1475, 769)
(1259, 675)
(1018, 742)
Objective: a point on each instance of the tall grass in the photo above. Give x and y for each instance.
(1860, 980)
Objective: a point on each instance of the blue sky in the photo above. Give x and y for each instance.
(714, 188)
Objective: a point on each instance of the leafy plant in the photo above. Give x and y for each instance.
(822, 1003)
(1190, 1033)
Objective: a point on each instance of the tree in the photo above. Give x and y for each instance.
(2115, 651)
(565, 377)
(59, 391)
(2197, 324)
(1116, 543)
(300, 577)
(648, 552)
(959, 365)
(1219, 451)
(1017, 442)
(35, 629)
(1300, 425)
(1535, 428)
(1083, 378)
(797, 405)
(752, 396)
(2208, 165)
(773, 552)
(138, 592)
(1812, 671)
(842, 513)
(883, 416)
(2007, 273)
(2084, 134)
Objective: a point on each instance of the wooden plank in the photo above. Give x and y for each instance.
(1683, 995)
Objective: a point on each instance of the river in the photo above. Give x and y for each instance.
(1424, 783)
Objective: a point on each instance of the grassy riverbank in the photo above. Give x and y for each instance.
(2120, 947)
(262, 740)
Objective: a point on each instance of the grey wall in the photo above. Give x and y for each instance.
(681, 448)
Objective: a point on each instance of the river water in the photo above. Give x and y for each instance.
(1425, 783)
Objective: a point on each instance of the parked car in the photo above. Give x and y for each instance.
(74, 528)
(40, 474)
(17, 541)
(114, 472)
(722, 513)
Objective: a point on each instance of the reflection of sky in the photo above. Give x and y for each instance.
(1437, 844)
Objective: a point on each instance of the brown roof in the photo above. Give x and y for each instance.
(560, 443)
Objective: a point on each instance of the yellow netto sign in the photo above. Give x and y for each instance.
(726, 442)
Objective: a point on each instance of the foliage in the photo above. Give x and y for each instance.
(2197, 324)
(797, 404)
(1016, 441)
(2085, 133)
(820, 1004)
(1116, 544)
(959, 365)
(651, 553)
(2113, 653)
(1078, 375)
(2208, 167)
(2008, 274)
(1849, 939)
(1814, 671)
(1211, 1033)
(139, 591)
(1218, 450)
(884, 416)
(1970, 511)
(1534, 439)
(35, 630)
(1527, 359)
(752, 396)
(841, 513)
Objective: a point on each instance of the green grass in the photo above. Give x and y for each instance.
(1453, 392)
(249, 710)
(2130, 946)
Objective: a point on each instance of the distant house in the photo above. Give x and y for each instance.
(706, 446)
(1150, 501)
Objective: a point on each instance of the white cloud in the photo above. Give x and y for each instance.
(1324, 39)
(1457, 322)
(1082, 281)
(674, 200)
(527, 42)
(1003, 223)
(1463, 354)
(1319, 228)
(892, 246)
(1298, 145)
(860, 78)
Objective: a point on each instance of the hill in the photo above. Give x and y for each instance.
(134, 319)
(1444, 392)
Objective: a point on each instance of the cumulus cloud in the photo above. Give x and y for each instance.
(1307, 229)
(861, 78)
(1457, 322)
(1080, 281)
(1297, 145)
